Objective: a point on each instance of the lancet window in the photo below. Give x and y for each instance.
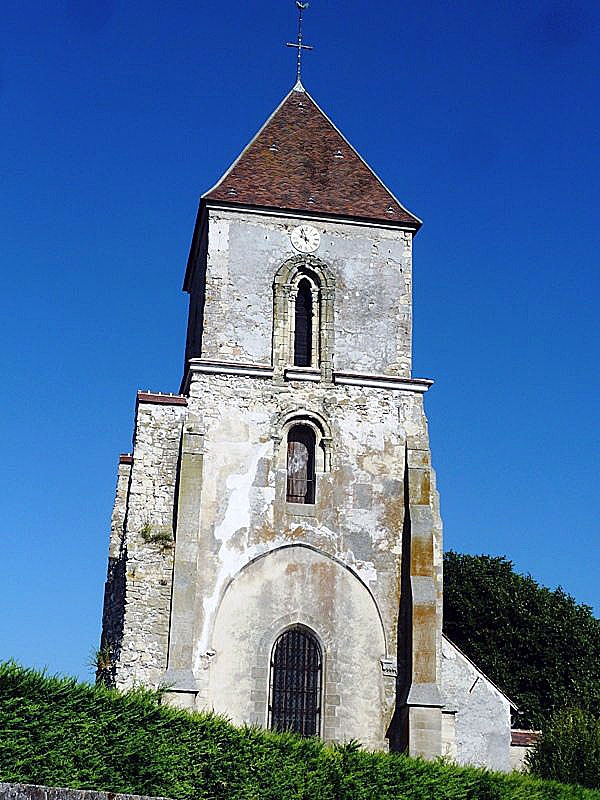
(303, 316)
(301, 465)
(303, 319)
(302, 446)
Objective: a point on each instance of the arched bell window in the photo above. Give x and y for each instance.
(303, 318)
(296, 678)
(301, 464)
(303, 328)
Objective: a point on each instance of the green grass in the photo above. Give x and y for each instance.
(57, 732)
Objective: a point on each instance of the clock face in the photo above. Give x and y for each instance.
(305, 238)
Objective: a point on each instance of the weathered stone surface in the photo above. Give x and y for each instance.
(373, 271)
(211, 561)
(147, 546)
(228, 511)
(26, 791)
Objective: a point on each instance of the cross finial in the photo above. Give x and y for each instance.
(300, 47)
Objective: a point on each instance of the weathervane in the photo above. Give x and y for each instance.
(300, 47)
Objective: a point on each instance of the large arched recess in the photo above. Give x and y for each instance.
(291, 585)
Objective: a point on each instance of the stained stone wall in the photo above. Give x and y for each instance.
(373, 270)
(209, 562)
(355, 528)
(27, 791)
(145, 508)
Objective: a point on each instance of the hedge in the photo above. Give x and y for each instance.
(57, 732)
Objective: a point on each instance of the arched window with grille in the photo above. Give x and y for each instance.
(303, 333)
(301, 465)
(296, 679)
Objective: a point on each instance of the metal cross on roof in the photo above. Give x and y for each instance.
(301, 7)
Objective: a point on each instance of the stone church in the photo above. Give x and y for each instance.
(276, 541)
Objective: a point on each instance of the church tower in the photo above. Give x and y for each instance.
(275, 550)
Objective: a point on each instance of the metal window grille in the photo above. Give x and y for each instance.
(303, 326)
(296, 676)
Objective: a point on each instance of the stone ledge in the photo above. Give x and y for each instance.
(340, 377)
(26, 791)
(302, 374)
(380, 381)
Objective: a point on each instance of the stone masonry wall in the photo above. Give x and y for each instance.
(26, 791)
(149, 537)
(358, 513)
(357, 518)
(357, 522)
(114, 591)
(373, 324)
(201, 614)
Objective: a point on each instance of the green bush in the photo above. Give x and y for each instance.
(57, 732)
(569, 749)
(538, 645)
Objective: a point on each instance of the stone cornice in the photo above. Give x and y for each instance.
(265, 211)
(340, 377)
(204, 366)
(382, 381)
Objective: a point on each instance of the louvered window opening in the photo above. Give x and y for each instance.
(296, 675)
(303, 326)
(301, 465)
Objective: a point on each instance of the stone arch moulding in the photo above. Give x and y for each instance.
(285, 290)
(283, 423)
(286, 586)
(323, 639)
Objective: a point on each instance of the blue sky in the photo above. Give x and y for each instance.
(483, 118)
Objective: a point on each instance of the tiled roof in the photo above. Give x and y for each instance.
(521, 738)
(300, 161)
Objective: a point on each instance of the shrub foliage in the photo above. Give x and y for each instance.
(539, 645)
(57, 732)
(569, 749)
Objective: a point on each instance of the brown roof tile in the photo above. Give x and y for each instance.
(522, 738)
(299, 161)
(157, 398)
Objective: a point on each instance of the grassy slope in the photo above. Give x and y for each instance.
(57, 732)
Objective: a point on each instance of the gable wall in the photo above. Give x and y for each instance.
(480, 731)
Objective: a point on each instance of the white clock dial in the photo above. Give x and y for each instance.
(305, 238)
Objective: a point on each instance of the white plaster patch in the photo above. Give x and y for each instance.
(364, 569)
(231, 559)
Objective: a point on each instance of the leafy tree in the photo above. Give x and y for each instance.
(538, 645)
(569, 749)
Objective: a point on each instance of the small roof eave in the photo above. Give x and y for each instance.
(209, 203)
